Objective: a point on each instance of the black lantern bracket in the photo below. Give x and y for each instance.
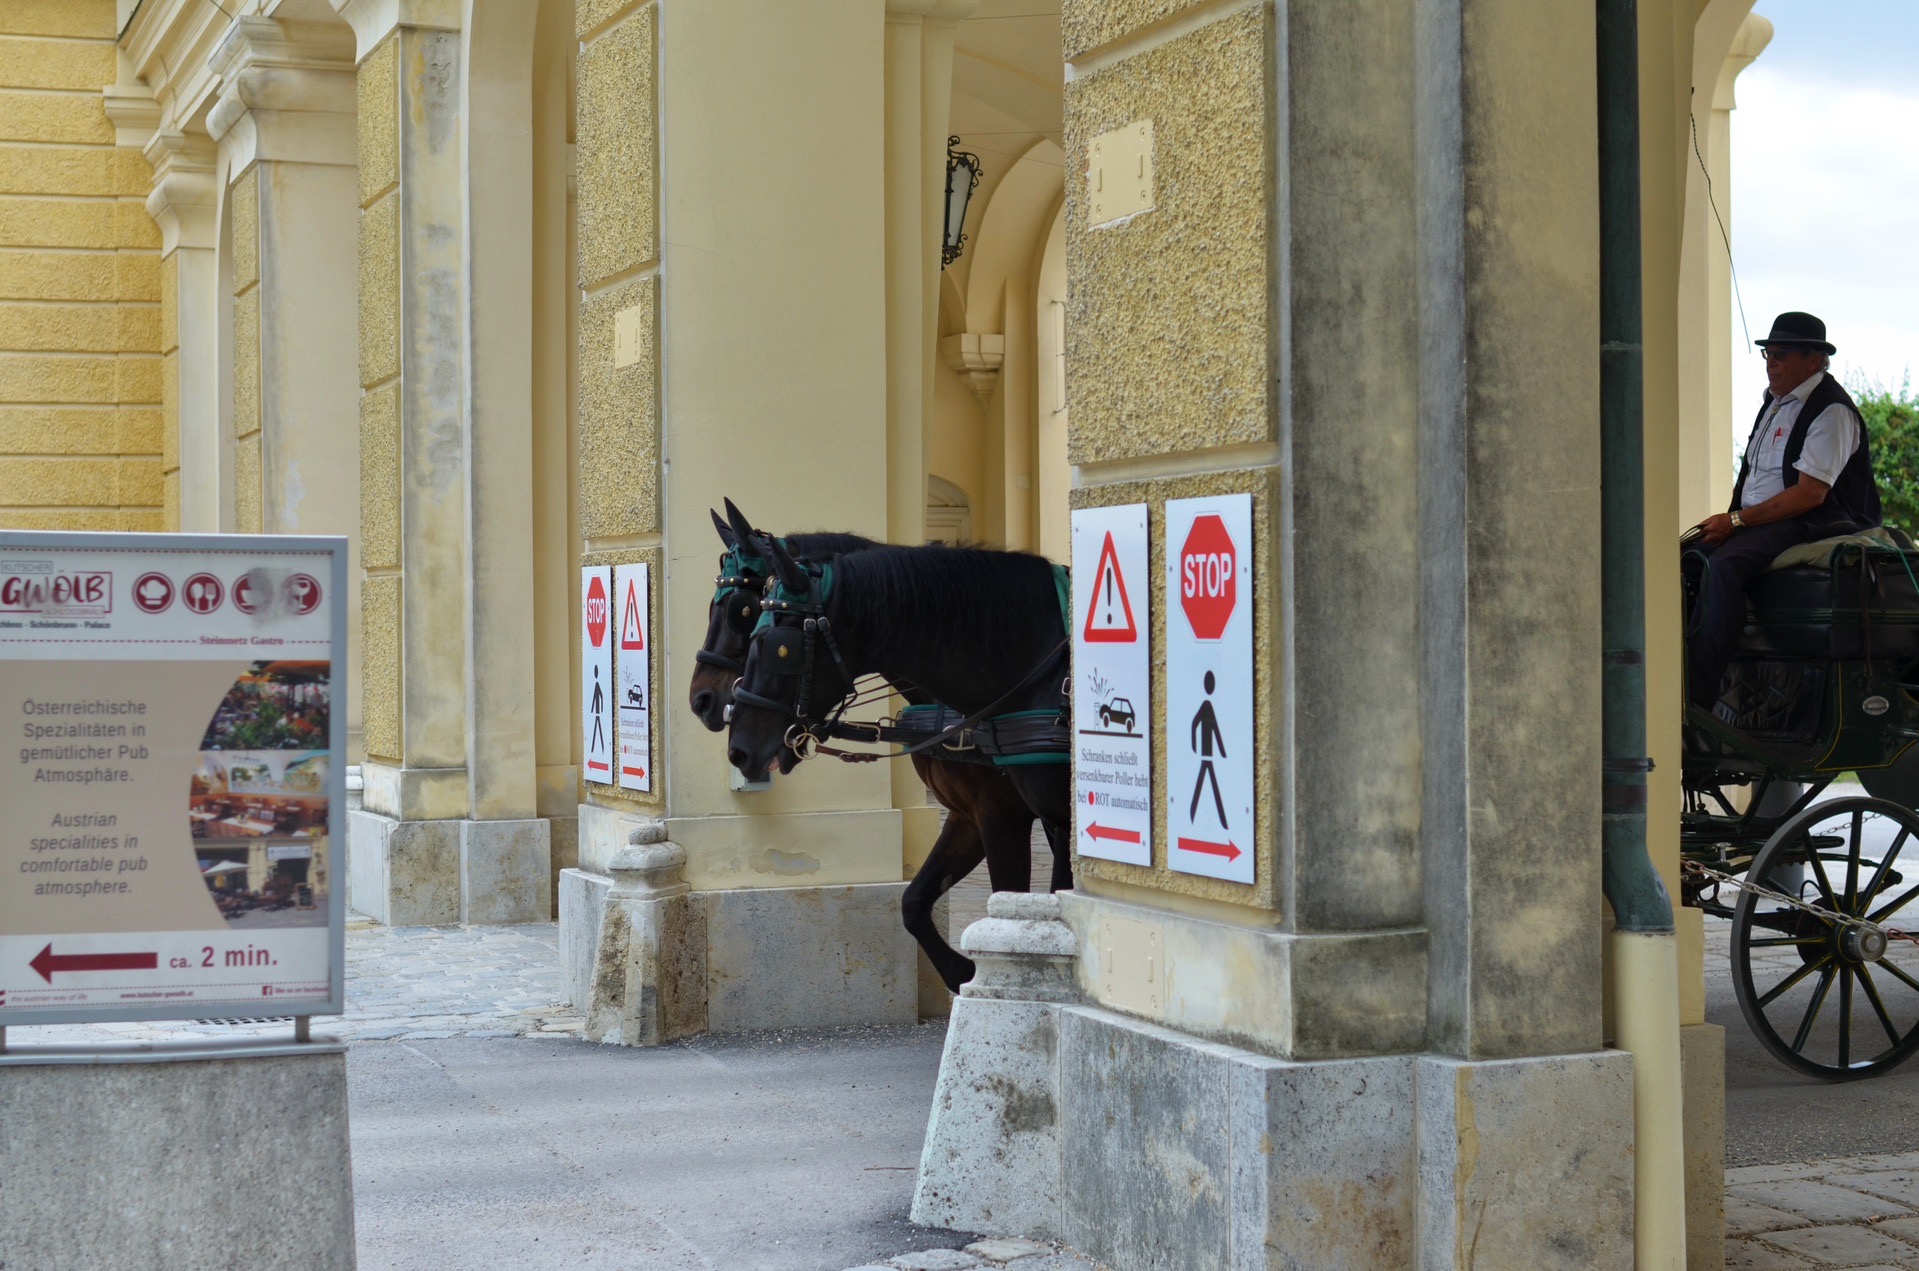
(958, 194)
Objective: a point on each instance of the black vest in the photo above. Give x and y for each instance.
(1853, 503)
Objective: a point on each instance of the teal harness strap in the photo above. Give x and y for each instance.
(1063, 585)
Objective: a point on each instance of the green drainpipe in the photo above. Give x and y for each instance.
(1638, 896)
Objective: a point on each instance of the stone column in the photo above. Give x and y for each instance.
(185, 204)
(284, 124)
(449, 830)
(1363, 290)
(799, 884)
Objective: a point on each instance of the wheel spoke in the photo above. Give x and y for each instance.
(1772, 942)
(1898, 903)
(1804, 971)
(1812, 1011)
(1819, 873)
(1885, 866)
(1878, 1007)
(1852, 863)
(1845, 1016)
(1907, 980)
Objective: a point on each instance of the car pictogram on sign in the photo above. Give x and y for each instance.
(1118, 711)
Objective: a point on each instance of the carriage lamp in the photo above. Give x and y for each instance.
(959, 191)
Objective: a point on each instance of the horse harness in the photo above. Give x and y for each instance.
(988, 736)
(737, 592)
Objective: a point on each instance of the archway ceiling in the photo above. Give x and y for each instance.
(1008, 55)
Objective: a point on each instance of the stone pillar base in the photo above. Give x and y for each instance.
(647, 960)
(1702, 1069)
(425, 873)
(1147, 1147)
(237, 1162)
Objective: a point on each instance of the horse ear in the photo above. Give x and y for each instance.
(742, 528)
(727, 536)
(792, 574)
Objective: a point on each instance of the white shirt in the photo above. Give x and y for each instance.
(1830, 442)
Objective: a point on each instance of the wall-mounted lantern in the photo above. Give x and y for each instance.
(959, 191)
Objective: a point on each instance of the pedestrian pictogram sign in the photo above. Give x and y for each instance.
(1112, 686)
(634, 702)
(1109, 616)
(1209, 687)
(596, 675)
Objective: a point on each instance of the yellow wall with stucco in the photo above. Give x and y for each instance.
(81, 330)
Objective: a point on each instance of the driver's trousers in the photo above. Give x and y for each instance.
(1721, 575)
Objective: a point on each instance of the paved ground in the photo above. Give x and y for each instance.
(484, 1134)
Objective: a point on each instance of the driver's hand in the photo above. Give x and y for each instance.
(1717, 528)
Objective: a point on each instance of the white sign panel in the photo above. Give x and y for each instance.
(176, 788)
(1112, 685)
(632, 592)
(1209, 686)
(596, 673)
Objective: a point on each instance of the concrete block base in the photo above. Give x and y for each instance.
(212, 1163)
(1526, 1162)
(505, 871)
(1702, 1069)
(424, 873)
(1148, 1147)
(644, 967)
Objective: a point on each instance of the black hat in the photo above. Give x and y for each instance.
(1800, 330)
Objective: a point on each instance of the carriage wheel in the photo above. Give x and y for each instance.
(1826, 992)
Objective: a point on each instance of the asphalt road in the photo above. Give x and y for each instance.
(774, 1151)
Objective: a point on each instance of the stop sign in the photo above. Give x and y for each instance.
(1208, 576)
(596, 611)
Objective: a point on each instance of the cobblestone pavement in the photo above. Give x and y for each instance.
(405, 984)
(1857, 1211)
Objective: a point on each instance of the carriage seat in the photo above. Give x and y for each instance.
(1838, 598)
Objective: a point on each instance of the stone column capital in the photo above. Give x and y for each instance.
(133, 112)
(185, 196)
(373, 20)
(1023, 949)
(287, 93)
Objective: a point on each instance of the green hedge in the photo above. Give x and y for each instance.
(1892, 423)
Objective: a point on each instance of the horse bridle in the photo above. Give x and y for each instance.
(795, 657)
(736, 590)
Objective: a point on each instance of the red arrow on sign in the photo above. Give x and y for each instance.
(46, 962)
(1098, 831)
(1229, 850)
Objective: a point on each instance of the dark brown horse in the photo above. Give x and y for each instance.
(987, 819)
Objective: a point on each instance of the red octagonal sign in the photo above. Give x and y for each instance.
(596, 611)
(1208, 577)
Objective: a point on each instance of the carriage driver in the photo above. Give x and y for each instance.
(1807, 475)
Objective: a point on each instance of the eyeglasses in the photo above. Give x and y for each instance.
(1780, 355)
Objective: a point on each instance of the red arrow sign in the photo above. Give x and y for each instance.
(1098, 831)
(1229, 850)
(46, 962)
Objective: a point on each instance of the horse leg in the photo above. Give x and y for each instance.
(956, 853)
(1006, 828)
(1062, 857)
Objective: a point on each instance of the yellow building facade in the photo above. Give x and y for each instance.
(502, 289)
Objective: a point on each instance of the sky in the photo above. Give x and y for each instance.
(1825, 177)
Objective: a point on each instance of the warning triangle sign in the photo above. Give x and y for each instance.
(631, 636)
(1109, 618)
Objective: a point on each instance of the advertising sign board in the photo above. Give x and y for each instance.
(1209, 686)
(174, 785)
(1112, 685)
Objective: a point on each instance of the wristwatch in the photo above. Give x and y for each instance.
(1737, 523)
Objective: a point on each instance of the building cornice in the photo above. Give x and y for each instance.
(373, 20)
(184, 201)
(287, 93)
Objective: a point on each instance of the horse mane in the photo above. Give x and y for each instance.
(892, 594)
(826, 544)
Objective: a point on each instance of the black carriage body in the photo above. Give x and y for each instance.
(1826, 681)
